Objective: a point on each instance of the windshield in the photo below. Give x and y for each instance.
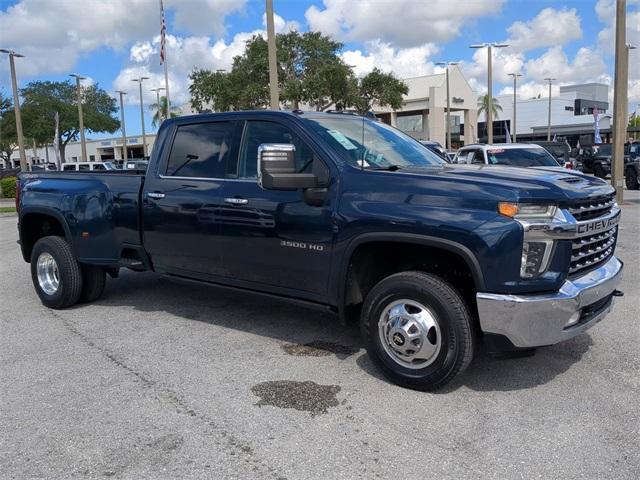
(369, 144)
(556, 150)
(521, 157)
(604, 149)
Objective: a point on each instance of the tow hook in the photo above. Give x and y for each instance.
(618, 293)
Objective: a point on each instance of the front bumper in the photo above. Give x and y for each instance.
(541, 319)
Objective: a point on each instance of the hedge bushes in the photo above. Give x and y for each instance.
(8, 187)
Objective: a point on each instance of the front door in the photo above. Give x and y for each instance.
(276, 239)
(183, 198)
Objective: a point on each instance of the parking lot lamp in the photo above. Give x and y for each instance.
(489, 112)
(550, 80)
(16, 107)
(446, 67)
(160, 109)
(513, 121)
(122, 127)
(273, 62)
(144, 136)
(83, 143)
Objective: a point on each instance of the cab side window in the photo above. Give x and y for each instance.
(259, 132)
(476, 157)
(201, 150)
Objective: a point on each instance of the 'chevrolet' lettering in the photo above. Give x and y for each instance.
(598, 225)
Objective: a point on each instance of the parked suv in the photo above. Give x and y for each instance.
(596, 159)
(512, 154)
(632, 165)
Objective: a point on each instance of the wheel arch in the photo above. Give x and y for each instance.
(463, 253)
(36, 223)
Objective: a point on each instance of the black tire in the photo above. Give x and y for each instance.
(94, 279)
(599, 171)
(631, 179)
(452, 316)
(69, 275)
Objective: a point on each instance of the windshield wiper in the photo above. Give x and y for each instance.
(390, 168)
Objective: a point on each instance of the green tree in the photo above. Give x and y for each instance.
(160, 111)
(483, 106)
(377, 88)
(43, 98)
(309, 70)
(8, 136)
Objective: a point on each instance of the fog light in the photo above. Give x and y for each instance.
(573, 320)
(535, 258)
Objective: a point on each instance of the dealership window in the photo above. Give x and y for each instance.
(409, 123)
(92, 158)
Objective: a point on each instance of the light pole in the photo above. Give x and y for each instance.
(160, 109)
(550, 80)
(80, 115)
(513, 121)
(16, 108)
(271, 45)
(619, 102)
(122, 127)
(144, 137)
(446, 67)
(489, 112)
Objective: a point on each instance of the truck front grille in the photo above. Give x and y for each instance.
(590, 208)
(591, 251)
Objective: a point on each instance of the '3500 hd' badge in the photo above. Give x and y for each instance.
(302, 245)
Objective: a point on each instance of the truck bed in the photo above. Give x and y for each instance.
(101, 209)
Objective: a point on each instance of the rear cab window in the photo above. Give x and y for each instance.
(201, 150)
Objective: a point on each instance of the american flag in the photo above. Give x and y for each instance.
(163, 33)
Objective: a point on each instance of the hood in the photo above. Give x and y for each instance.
(543, 184)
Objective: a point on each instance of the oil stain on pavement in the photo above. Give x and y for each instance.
(305, 396)
(319, 348)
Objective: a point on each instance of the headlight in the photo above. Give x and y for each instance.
(536, 252)
(526, 210)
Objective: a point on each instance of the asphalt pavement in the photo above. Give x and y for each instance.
(159, 380)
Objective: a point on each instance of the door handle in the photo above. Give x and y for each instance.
(236, 201)
(155, 195)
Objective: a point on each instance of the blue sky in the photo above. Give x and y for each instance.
(111, 42)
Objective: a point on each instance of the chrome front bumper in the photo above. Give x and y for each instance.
(543, 319)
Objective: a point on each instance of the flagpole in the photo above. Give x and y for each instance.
(163, 59)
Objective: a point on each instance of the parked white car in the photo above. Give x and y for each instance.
(87, 166)
(514, 154)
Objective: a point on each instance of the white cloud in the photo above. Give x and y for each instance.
(404, 62)
(504, 62)
(587, 65)
(203, 17)
(606, 11)
(52, 34)
(550, 27)
(183, 55)
(404, 23)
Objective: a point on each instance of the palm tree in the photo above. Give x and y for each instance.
(483, 104)
(160, 111)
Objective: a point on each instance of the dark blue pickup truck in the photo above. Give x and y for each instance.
(347, 214)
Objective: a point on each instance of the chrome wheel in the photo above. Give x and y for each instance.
(410, 334)
(48, 275)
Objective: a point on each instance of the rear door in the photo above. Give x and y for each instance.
(183, 197)
(277, 239)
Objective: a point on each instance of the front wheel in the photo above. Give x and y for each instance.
(418, 329)
(631, 179)
(55, 273)
(599, 171)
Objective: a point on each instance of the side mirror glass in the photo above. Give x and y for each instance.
(277, 168)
